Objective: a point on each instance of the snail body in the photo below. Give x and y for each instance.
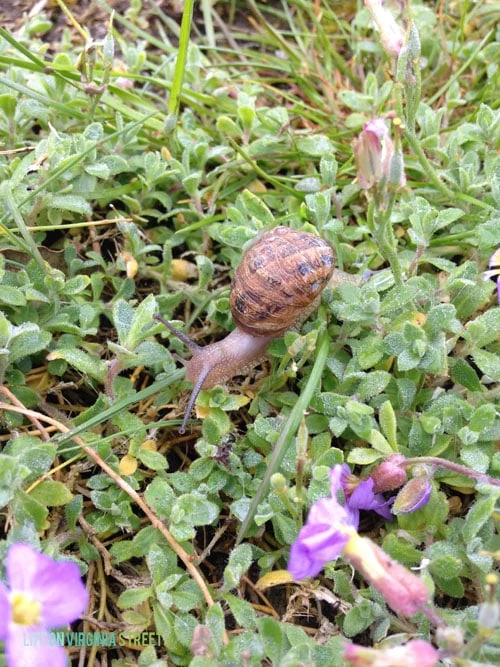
(275, 287)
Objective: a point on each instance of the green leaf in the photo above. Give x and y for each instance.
(388, 424)
(33, 453)
(73, 203)
(257, 208)
(52, 494)
(153, 460)
(272, 635)
(123, 316)
(194, 510)
(215, 621)
(73, 510)
(452, 586)
(160, 497)
(483, 418)
(318, 145)
(164, 624)
(446, 566)
(215, 426)
(370, 352)
(240, 560)
(27, 339)
(362, 456)
(372, 384)
(12, 474)
(134, 597)
(27, 509)
(446, 216)
(489, 363)
(75, 285)
(360, 617)
(484, 329)
(141, 322)
(242, 611)
(477, 516)
(379, 443)
(462, 373)
(82, 361)
(11, 296)
(473, 456)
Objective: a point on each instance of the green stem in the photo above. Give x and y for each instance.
(389, 241)
(426, 165)
(379, 223)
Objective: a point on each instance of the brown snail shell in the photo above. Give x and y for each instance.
(275, 287)
(279, 276)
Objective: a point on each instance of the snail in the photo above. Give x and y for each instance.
(275, 287)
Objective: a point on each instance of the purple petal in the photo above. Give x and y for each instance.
(363, 498)
(328, 511)
(5, 611)
(313, 549)
(25, 652)
(22, 565)
(56, 585)
(494, 262)
(321, 540)
(338, 477)
(378, 127)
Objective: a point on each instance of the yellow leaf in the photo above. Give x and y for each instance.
(276, 578)
(128, 465)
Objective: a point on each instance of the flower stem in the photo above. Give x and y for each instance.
(385, 238)
(454, 467)
(430, 172)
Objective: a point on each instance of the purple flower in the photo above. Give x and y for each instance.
(41, 594)
(330, 524)
(494, 271)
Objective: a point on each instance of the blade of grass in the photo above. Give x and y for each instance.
(180, 65)
(13, 209)
(289, 430)
(121, 405)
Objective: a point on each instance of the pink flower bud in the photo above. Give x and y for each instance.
(373, 153)
(392, 35)
(390, 474)
(414, 495)
(415, 652)
(404, 592)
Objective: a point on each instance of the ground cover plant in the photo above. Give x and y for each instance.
(333, 505)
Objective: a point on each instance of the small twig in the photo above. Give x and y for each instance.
(8, 394)
(91, 534)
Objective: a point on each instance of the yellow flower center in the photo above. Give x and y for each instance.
(24, 610)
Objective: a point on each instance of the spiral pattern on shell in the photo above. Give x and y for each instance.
(279, 276)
